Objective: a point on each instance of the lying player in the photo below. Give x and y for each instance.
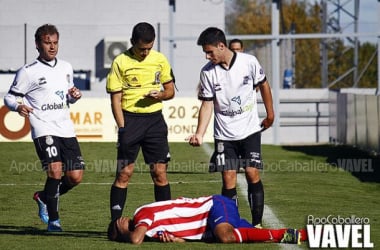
(211, 218)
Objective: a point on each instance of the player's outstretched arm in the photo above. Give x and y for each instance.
(204, 117)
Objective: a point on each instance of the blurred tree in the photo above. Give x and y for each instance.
(254, 17)
(342, 61)
(367, 54)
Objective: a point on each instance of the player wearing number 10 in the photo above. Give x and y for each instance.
(42, 91)
(139, 81)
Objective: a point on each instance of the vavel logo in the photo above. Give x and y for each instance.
(338, 232)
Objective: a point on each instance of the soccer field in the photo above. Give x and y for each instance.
(299, 182)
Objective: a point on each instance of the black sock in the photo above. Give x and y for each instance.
(52, 197)
(230, 193)
(256, 201)
(162, 193)
(118, 196)
(65, 185)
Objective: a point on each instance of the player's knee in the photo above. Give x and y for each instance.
(75, 180)
(224, 233)
(252, 174)
(160, 180)
(227, 237)
(123, 178)
(158, 173)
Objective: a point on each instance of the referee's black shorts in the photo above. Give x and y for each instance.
(146, 131)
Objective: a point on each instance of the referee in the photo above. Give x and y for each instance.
(139, 80)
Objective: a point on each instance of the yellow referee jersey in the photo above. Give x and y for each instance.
(136, 78)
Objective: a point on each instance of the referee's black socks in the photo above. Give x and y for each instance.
(162, 193)
(118, 196)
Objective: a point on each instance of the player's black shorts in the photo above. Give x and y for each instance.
(146, 131)
(58, 149)
(231, 155)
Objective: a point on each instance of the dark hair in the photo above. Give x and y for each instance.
(46, 29)
(111, 231)
(143, 32)
(212, 36)
(235, 40)
(114, 234)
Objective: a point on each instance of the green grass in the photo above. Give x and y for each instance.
(298, 181)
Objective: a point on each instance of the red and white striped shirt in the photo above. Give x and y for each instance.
(183, 217)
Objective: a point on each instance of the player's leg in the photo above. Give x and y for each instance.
(119, 189)
(224, 233)
(161, 184)
(48, 150)
(70, 180)
(51, 192)
(251, 148)
(226, 160)
(255, 195)
(155, 149)
(127, 149)
(229, 178)
(223, 218)
(285, 235)
(74, 165)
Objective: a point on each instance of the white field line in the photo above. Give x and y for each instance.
(269, 218)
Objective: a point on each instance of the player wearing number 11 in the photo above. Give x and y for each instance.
(228, 85)
(43, 91)
(139, 81)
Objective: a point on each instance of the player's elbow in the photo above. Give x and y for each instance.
(137, 239)
(11, 102)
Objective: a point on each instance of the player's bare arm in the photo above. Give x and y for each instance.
(204, 117)
(116, 108)
(268, 103)
(137, 236)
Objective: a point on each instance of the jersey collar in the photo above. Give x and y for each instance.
(50, 64)
(231, 63)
